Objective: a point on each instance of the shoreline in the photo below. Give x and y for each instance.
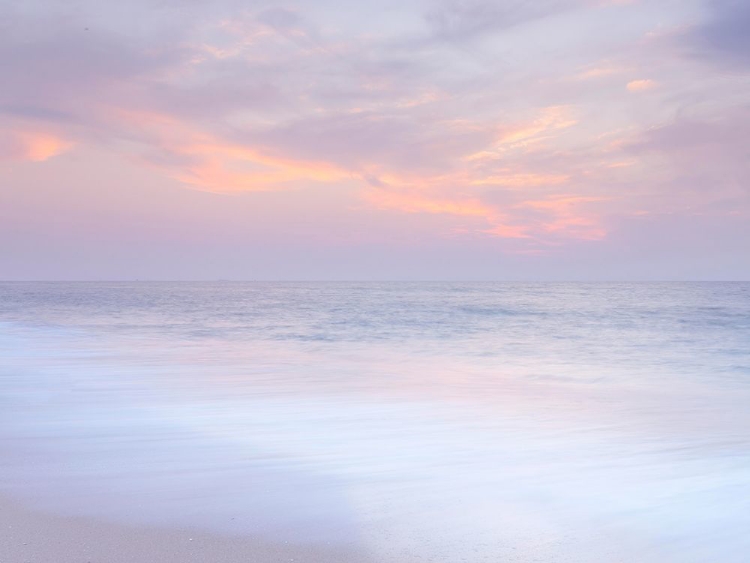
(33, 536)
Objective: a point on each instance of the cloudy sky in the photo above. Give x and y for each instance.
(408, 139)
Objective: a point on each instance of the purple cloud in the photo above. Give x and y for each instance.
(724, 35)
(460, 20)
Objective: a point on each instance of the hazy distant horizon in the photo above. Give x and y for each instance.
(376, 281)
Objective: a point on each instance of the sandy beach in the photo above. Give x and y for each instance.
(37, 537)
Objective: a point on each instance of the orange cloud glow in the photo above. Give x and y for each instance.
(640, 85)
(521, 135)
(567, 219)
(598, 72)
(36, 146)
(508, 231)
(411, 202)
(550, 119)
(230, 167)
(420, 203)
(213, 164)
(521, 180)
(210, 162)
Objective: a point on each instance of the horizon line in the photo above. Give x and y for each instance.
(318, 280)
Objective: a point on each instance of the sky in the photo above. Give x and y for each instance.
(403, 140)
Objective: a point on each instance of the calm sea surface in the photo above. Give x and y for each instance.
(585, 423)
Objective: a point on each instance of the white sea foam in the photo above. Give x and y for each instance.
(509, 422)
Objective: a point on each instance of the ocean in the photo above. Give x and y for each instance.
(518, 422)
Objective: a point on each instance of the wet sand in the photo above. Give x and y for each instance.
(28, 535)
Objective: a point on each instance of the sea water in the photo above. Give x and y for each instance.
(411, 421)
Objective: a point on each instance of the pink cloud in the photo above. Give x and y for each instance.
(641, 85)
(32, 145)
